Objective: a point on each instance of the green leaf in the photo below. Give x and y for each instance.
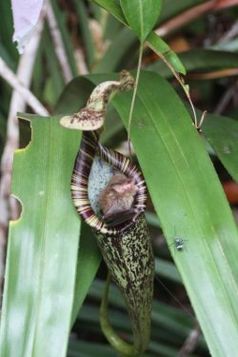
(113, 7)
(222, 135)
(153, 41)
(190, 202)
(161, 47)
(42, 245)
(141, 15)
(167, 10)
(88, 262)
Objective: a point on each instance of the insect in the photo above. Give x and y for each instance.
(179, 243)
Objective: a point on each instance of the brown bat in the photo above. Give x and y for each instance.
(116, 200)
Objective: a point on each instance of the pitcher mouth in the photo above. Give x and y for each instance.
(79, 185)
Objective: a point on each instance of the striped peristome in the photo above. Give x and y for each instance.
(79, 184)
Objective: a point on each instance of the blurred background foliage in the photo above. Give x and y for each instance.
(95, 42)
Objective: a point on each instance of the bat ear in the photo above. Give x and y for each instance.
(86, 119)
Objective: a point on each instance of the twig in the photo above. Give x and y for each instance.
(190, 342)
(10, 77)
(21, 95)
(185, 17)
(228, 72)
(134, 96)
(58, 43)
(191, 14)
(231, 33)
(183, 85)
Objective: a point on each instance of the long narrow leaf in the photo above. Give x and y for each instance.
(190, 203)
(42, 246)
(160, 47)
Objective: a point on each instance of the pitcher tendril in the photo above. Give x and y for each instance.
(125, 349)
(184, 86)
(92, 116)
(134, 95)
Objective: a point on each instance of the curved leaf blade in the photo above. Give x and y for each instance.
(191, 204)
(160, 47)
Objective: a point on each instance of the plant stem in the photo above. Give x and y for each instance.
(125, 349)
(11, 78)
(134, 94)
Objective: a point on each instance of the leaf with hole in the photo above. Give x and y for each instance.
(42, 256)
